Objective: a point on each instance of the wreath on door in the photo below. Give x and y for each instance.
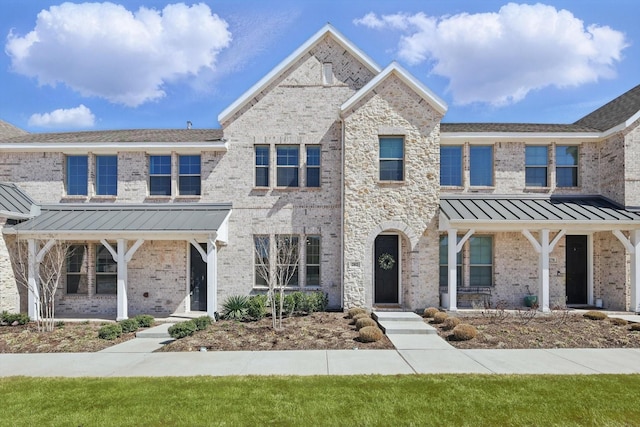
(386, 261)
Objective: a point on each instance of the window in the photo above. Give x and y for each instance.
(287, 161)
(391, 159)
(262, 165)
(77, 270)
(106, 175)
(451, 165)
(106, 271)
(444, 262)
(77, 175)
(313, 166)
(189, 176)
(566, 166)
(481, 261)
(536, 160)
(160, 175)
(481, 165)
(327, 74)
(261, 260)
(313, 261)
(287, 256)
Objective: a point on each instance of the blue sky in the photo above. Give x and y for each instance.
(156, 64)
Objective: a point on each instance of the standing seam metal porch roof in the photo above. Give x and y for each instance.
(15, 203)
(88, 218)
(507, 209)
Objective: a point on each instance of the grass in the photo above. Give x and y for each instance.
(472, 400)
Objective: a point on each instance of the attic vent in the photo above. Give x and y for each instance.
(327, 73)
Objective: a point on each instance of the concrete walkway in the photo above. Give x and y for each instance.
(418, 351)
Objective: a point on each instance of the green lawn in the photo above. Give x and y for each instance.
(473, 400)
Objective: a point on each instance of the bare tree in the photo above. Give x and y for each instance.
(50, 260)
(278, 270)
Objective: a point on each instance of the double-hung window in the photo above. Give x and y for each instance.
(313, 261)
(451, 165)
(288, 159)
(287, 256)
(481, 165)
(566, 165)
(189, 175)
(106, 271)
(262, 165)
(391, 152)
(444, 262)
(106, 175)
(77, 175)
(160, 175)
(313, 165)
(481, 261)
(77, 269)
(536, 160)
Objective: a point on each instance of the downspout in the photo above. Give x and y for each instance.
(342, 262)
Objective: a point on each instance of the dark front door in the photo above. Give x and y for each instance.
(386, 269)
(198, 285)
(576, 258)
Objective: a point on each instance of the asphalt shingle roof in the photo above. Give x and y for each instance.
(514, 127)
(131, 135)
(7, 130)
(613, 113)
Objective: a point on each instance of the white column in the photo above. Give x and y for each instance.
(212, 278)
(123, 303)
(634, 286)
(544, 270)
(452, 267)
(33, 282)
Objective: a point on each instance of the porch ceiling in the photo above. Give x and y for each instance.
(153, 222)
(513, 212)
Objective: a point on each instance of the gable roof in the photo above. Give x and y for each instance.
(624, 110)
(327, 30)
(7, 130)
(15, 203)
(396, 70)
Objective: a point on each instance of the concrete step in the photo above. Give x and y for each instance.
(406, 328)
(160, 331)
(399, 316)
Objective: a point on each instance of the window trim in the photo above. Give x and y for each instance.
(401, 159)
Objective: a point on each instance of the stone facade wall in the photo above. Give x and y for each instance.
(631, 165)
(408, 208)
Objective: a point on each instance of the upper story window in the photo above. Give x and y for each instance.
(262, 165)
(313, 165)
(106, 175)
(77, 175)
(451, 165)
(287, 160)
(189, 175)
(536, 161)
(160, 175)
(566, 166)
(481, 165)
(391, 154)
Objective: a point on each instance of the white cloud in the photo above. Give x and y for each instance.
(78, 117)
(498, 58)
(104, 50)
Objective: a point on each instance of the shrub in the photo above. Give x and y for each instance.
(314, 302)
(440, 317)
(450, 323)
(464, 332)
(355, 310)
(236, 307)
(370, 334)
(129, 325)
(257, 308)
(13, 319)
(365, 321)
(595, 315)
(635, 327)
(618, 322)
(182, 329)
(430, 312)
(110, 332)
(357, 317)
(202, 322)
(145, 320)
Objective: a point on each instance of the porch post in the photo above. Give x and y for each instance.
(544, 270)
(123, 304)
(212, 278)
(32, 279)
(634, 286)
(452, 267)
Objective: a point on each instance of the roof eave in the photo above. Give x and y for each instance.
(110, 147)
(542, 137)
